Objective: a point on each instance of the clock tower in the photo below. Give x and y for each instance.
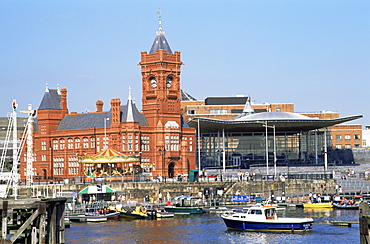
(160, 69)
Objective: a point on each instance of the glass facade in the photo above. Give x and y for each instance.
(243, 150)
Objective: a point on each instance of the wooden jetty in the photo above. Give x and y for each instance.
(34, 221)
(344, 223)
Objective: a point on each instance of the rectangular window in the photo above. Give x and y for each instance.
(338, 137)
(191, 112)
(357, 137)
(338, 146)
(236, 111)
(347, 137)
(222, 111)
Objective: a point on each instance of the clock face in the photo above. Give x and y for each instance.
(169, 82)
(153, 82)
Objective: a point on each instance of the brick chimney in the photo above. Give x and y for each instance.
(63, 100)
(116, 111)
(99, 106)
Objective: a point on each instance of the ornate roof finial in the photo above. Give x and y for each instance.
(129, 93)
(160, 30)
(58, 87)
(47, 87)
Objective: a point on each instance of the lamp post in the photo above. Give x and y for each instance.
(163, 152)
(267, 163)
(105, 133)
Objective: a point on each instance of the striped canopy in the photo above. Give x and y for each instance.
(110, 156)
(96, 190)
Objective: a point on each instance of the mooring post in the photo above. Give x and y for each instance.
(4, 220)
(364, 224)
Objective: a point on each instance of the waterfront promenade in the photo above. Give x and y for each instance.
(298, 183)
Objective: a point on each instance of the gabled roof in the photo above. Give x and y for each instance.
(84, 121)
(51, 100)
(128, 113)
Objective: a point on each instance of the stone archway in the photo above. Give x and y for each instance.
(171, 170)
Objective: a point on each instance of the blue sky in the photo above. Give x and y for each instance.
(315, 54)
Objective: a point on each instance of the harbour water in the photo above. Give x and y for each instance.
(209, 228)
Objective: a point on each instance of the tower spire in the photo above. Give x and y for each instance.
(160, 41)
(130, 112)
(160, 30)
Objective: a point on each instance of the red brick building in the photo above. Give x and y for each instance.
(158, 135)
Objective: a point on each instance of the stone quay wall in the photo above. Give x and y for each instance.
(138, 190)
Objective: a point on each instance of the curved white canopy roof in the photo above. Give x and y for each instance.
(273, 116)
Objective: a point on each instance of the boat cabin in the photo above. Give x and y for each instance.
(262, 213)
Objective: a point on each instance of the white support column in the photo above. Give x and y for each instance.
(199, 143)
(325, 151)
(316, 153)
(273, 127)
(267, 151)
(223, 151)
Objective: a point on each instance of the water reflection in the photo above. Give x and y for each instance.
(209, 228)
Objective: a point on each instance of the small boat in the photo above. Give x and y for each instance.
(264, 218)
(318, 205)
(343, 205)
(141, 212)
(93, 217)
(184, 205)
(138, 213)
(163, 214)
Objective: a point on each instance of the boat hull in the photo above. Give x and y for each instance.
(183, 210)
(318, 205)
(269, 226)
(88, 217)
(346, 206)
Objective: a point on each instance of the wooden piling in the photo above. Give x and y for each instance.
(364, 223)
(35, 221)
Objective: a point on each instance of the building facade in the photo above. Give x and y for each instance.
(344, 136)
(158, 135)
(268, 139)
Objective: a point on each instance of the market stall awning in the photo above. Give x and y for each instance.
(110, 156)
(97, 189)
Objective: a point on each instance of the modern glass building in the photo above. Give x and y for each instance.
(268, 139)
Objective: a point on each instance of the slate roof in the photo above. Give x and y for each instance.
(96, 120)
(84, 121)
(160, 41)
(186, 96)
(51, 100)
